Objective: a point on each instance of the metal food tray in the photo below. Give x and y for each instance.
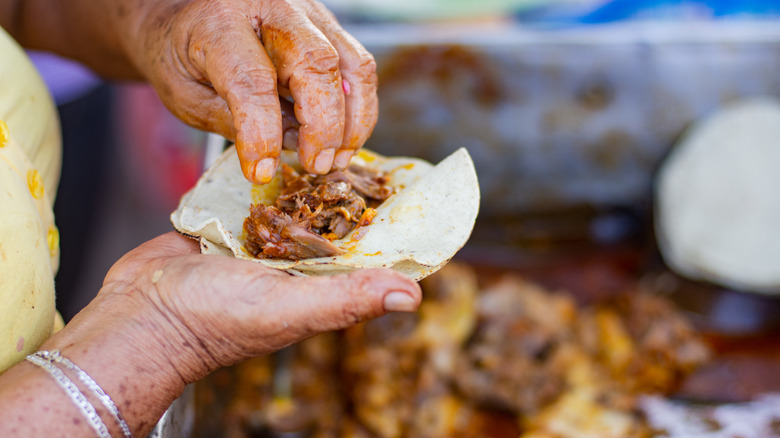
(555, 118)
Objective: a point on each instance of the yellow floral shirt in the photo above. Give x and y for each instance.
(30, 158)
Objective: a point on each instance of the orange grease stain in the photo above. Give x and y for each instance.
(366, 155)
(366, 218)
(362, 228)
(267, 193)
(407, 166)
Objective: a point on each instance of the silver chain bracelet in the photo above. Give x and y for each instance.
(70, 388)
(47, 359)
(55, 356)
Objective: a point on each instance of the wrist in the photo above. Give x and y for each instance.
(85, 30)
(119, 347)
(146, 28)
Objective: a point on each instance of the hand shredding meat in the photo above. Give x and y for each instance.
(313, 210)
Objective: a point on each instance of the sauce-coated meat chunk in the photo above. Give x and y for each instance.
(313, 210)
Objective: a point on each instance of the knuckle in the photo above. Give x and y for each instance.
(351, 315)
(257, 80)
(218, 9)
(319, 60)
(367, 62)
(363, 66)
(277, 10)
(210, 18)
(356, 306)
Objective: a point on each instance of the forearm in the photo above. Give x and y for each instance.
(142, 384)
(94, 32)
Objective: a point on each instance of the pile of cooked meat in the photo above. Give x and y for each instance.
(504, 360)
(312, 211)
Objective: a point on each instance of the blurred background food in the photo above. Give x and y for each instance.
(569, 108)
(502, 359)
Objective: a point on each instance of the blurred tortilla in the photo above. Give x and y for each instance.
(416, 231)
(717, 204)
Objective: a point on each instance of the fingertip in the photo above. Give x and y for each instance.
(343, 158)
(258, 144)
(260, 171)
(400, 301)
(324, 161)
(264, 170)
(398, 292)
(346, 299)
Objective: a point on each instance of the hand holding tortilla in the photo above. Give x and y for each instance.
(166, 316)
(415, 231)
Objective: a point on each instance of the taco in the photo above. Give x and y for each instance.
(422, 215)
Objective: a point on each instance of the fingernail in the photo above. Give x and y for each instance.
(342, 158)
(290, 139)
(264, 170)
(324, 160)
(399, 302)
(346, 87)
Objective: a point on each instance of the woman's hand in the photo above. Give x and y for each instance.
(167, 316)
(227, 310)
(221, 65)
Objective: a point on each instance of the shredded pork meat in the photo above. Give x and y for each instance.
(313, 210)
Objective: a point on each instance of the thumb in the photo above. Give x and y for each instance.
(296, 308)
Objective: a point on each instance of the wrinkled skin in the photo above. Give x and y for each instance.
(221, 65)
(301, 51)
(167, 315)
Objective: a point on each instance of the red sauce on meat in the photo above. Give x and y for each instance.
(313, 210)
